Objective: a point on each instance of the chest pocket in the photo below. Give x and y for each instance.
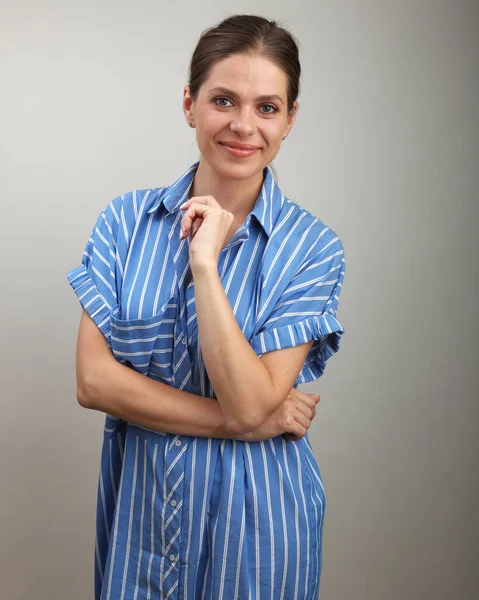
(147, 345)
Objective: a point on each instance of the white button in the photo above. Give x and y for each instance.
(172, 557)
(178, 443)
(183, 341)
(173, 503)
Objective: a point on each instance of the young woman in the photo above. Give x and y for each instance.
(224, 293)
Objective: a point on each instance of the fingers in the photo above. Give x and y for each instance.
(196, 226)
(306, 404)
(202, 200)
(194, 212)
(305, 410)
(198, 208)
(303, 395)
(302, 420)
(302, 410)
(308, 398)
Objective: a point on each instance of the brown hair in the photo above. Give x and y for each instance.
(246, 34)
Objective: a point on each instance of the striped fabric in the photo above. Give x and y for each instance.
(182, 517)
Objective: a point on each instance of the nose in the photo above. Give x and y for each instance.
(243, 124)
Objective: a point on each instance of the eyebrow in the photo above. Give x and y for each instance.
(233, 94)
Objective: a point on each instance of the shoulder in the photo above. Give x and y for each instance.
(124, 211)
(134, 202)
(307, 234)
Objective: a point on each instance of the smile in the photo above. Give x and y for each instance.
(239, 152)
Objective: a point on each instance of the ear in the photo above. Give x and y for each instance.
(291, 117)
(188, 104)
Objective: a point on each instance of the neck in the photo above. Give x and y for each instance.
(238, 196)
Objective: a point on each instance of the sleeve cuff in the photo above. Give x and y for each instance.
(324, 329)
(90, 299)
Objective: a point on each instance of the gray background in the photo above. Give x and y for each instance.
(384, 150)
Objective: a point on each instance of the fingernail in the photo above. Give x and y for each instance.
(184, 204)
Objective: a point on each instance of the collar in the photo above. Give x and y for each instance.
(266, 209)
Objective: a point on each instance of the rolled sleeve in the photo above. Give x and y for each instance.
(95, 280)
(307, 311)
(90, 299)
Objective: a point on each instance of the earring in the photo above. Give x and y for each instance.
(189, 123)
(285, 137)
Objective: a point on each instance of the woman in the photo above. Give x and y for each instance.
(208, 485)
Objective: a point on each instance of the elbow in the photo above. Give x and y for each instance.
(84, 397)
(242, 426)
(247, 420)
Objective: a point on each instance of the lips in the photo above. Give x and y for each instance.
(244, 151)
(239, 146)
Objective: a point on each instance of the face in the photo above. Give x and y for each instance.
(229, 109)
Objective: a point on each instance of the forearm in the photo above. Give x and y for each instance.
(122, 392)
(241, 382)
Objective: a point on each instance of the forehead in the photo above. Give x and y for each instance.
(248, 76)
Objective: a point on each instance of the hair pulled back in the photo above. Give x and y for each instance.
(246, 34)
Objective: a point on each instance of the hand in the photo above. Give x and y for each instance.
(209, 224)
(292, 418)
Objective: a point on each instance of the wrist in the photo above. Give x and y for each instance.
(206, 268)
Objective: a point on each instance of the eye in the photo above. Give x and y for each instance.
(268, 112)
(215, 100)
(271, 111)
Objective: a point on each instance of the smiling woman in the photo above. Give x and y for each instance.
(206, 303)
(241, 109)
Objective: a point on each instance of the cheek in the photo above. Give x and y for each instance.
(273, 139)
(213, 122)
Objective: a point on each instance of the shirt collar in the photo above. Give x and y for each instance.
(266, 209)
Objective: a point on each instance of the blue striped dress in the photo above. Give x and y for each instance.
(182, 517)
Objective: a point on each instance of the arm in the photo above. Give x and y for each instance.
(248, 388)
(106, 385)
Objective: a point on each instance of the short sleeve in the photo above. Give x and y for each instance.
(307, 310)
(95, 281)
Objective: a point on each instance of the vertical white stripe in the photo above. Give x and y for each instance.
(150, 268)
(133, 237)
(283, 517)
(112, 478)
(143, 499)
(245, 279)
(98, 559)
(205, 495)
(270, 515)
(240, 552)
(190, 516)
(306, 516)
(256, 519)
(138, 268)
(152, 529)
(120, 445)
(228, 520)
(115, 531)
(130, 523)
(296, 518)
(103, 504)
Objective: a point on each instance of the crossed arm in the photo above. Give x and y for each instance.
(111, 387)
(248, 388)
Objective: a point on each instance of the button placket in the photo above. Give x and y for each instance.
(175, 460)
